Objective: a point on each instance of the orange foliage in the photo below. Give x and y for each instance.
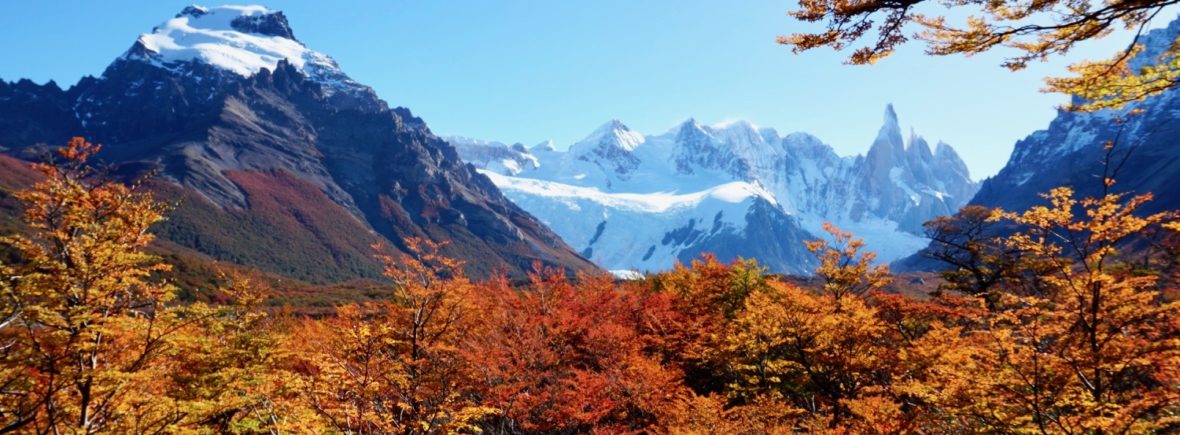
(1068, 338)
(392, 366)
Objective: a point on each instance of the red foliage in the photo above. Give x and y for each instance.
(559, 357)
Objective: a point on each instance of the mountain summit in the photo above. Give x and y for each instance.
(243, 40)
(283, 161)
(240, 39)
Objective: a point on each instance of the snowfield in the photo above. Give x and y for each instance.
(656, 202)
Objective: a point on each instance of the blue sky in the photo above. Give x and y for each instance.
(527, 70)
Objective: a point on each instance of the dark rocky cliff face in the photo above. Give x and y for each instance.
(1070, 151)
(34, 113)
(383, 166)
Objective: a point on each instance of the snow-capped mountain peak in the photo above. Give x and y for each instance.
(611, 148)
(743, 135)
(918, 148)
(947, 159)
(241, 40)
(225, 103)
(770, 135)
(687, 124)
(496, 156)
(943, 152)
(696, 148)
(613, 134)
(248, 19)
(801, 140)
(738, 125)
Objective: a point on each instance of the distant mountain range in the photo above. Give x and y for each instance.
(634, 202)
(282, 161)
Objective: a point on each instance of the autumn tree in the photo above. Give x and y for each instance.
(1168, 257)
(977, 259)
(557, 357)
(689, 304)
(714, 285)
(92, 338)
(1097, 352)
(715, 414)
(968, 242)
(1031, 30)
(393, 366)
(822, 357)
(19, 406)
(92, 323)
(790, 345)
(846, 270)
(224, 374)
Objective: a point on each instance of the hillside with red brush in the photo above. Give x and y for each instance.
(302, 245)
(288, 227)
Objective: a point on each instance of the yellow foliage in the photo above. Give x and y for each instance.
(91, 322)
(846, 270)
(393, 366)
(1097, 351)
(94, 342)
(794, 346)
